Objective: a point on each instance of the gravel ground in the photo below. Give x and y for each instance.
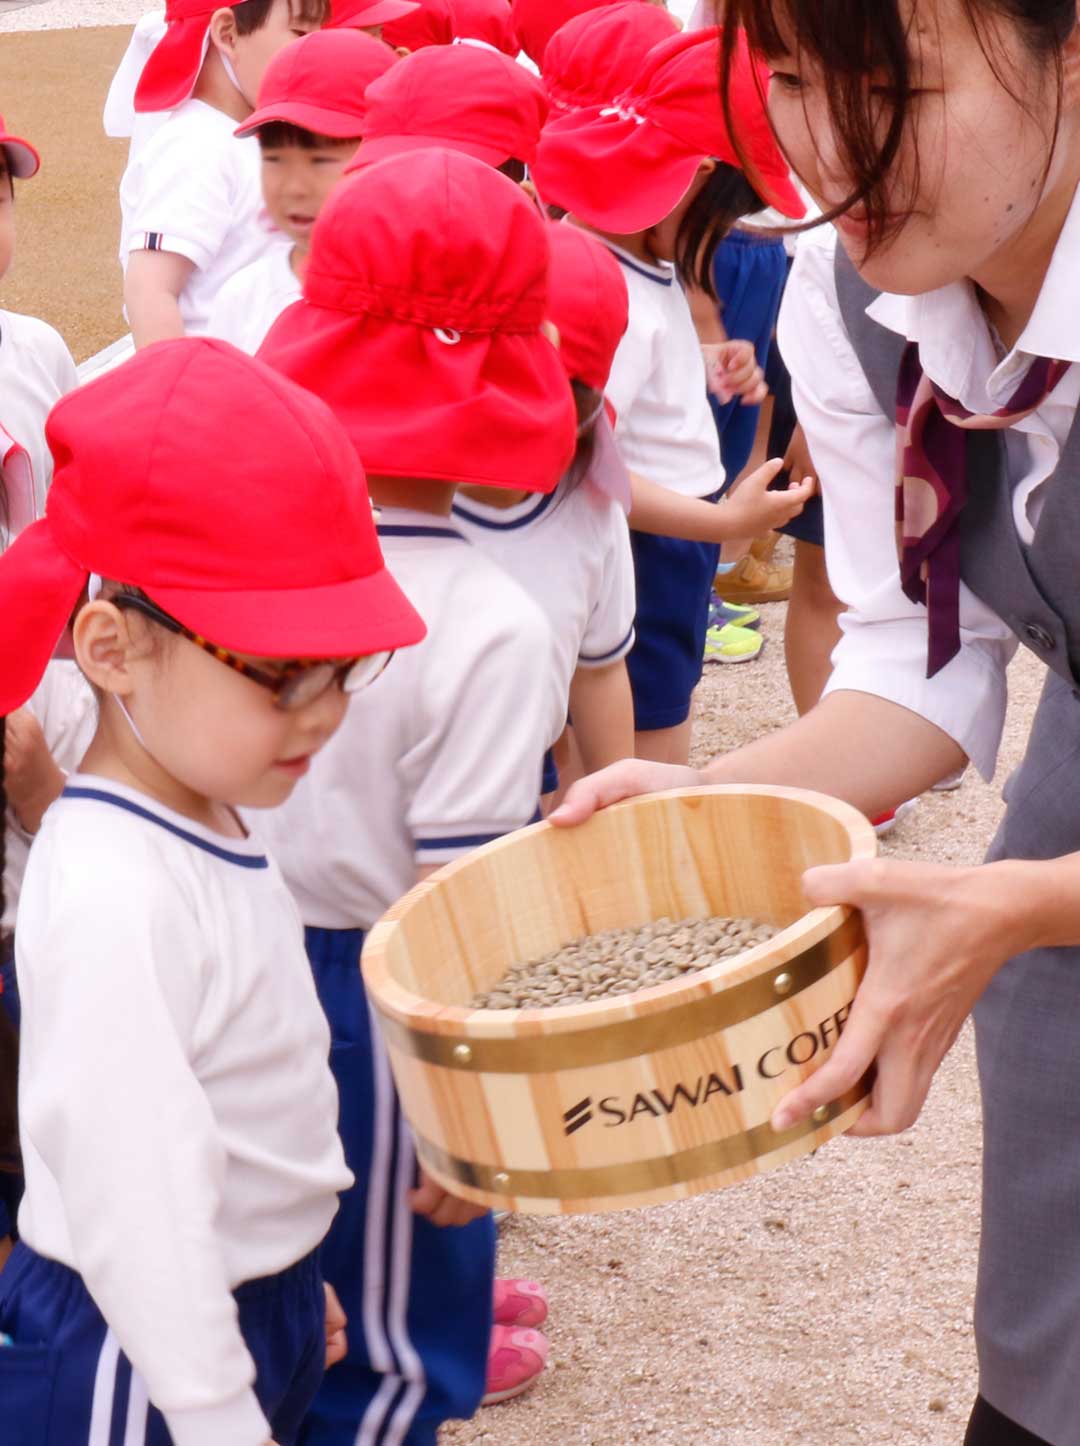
(828, 1303)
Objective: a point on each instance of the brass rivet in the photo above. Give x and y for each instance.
(821, 1115)
(462, 1054)
(501, 1180)
(782, 983)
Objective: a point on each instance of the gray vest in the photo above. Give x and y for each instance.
(1027, 1310)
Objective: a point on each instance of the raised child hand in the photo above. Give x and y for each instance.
(440, 1207)
(31, 778)
(752, 510)
(336, 1341)
(731, 370)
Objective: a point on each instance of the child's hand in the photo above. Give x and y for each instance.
(31, 778)
(731, 370)
(440, 1207)
(752, 510)
(336, 1341)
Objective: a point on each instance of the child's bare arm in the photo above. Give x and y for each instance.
(602, 708)
(152, 286)
(750, 512)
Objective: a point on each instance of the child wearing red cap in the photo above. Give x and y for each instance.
(308, 123)
(190, 197)
(486, 22)
(431, 23)
(176, 1110)
(571, 548)
(368, 15)
(424, 297)
(656, 175)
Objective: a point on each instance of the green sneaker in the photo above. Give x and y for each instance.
(741, 614)
(730, 644)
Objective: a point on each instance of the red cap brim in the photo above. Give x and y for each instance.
(22, 160)
(383, 12)
(173, 66)
(39, 587)
(341, 620)
(338, 124)
(382, 147)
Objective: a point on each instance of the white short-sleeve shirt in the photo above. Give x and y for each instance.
(36, 370)
(571, 553)
(195, 189)
(250, 302)
(442, 753)
(664, 424)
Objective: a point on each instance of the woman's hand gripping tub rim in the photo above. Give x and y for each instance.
(936, 938)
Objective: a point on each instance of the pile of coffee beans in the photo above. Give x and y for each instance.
(622, 961)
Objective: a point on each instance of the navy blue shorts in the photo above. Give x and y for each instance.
(418, 1297)
(809, 526)
(550, 780)
(65, 1381)
(11, 1177)
(674, 584)
(749, 274)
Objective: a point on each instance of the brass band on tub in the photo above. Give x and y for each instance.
(629, 1038)
(635, 1177)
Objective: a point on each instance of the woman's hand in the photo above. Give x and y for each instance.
(31, 778)
(731, 370)
(440, 1207)
(937, 936)
(337, 1343)
(628, 779)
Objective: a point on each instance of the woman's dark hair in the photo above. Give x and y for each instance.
(725, 198)
(280, 135)
(852, 40)
(253, 14)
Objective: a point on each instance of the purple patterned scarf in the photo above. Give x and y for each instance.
(932, 487)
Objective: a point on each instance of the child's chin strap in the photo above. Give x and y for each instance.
(94, 584)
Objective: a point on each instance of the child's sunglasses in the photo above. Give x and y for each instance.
(295, 685)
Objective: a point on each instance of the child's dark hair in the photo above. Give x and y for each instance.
(587, 402)
(725, 198)
(854, 41)
(252, 15)
(280, 135)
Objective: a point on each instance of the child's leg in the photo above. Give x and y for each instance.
(674, 582)
(418, 1298)
(65, 1380)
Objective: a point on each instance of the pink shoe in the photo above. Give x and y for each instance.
(516, 1361)
(520, 1303)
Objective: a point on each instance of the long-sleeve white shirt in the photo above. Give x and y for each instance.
(883, 647)
(177, 1113)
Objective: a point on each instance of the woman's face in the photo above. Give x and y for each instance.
(971, 177)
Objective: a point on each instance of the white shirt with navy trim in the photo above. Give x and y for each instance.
(664, 424)
(176, 1108)
(195, 189)
(441, 754)
(250, 302)
(570, 551)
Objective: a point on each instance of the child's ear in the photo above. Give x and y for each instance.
(223, 31)
(103, 647)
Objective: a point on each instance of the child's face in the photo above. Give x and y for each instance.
(296, 183)
(7, 217)
(212, 732)
(252, 53)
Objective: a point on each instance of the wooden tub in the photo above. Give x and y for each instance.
(646, 1097)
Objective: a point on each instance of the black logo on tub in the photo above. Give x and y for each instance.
(613, 1110)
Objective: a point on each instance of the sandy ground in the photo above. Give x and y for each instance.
(826, 1304)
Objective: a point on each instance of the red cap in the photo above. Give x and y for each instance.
(431, 23)
(366, 14)
(462, 96)
(170, 73)
(538, 20)
(22, 160)
(625, 167)
(587, 301)
(229, 495)
(598, 55)
(489, 21)
(318, 83)
(424, 296)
